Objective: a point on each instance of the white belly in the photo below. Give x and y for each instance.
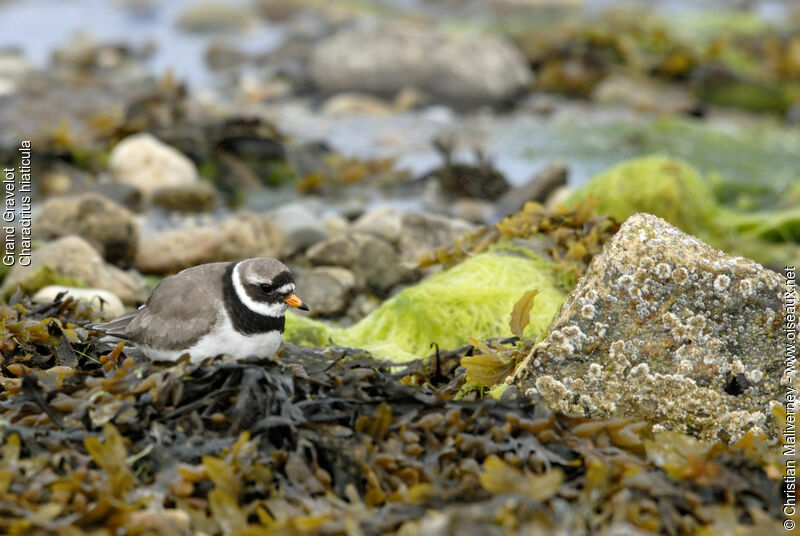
(223, 340)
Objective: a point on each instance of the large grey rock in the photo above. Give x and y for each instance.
(71, 260)
(327, 289)
(110, 227)
(241, 236)
(385, 222)
(412, 233)
(374, 261)
(215, 17)
(666, 329)
(422, 232)
(149, 164)
(388, 58)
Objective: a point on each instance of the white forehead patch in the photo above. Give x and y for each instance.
(262, 308)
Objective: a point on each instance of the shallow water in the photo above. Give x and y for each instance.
(38, 27)
(588, 137)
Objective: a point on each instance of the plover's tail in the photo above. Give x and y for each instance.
(116, 327)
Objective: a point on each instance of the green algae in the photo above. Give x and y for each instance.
(702, 26)
(732, 60)
(673, 190)
(752, 96)
(44, 277)
(472, 299)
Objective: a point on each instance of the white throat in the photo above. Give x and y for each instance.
(262, 308)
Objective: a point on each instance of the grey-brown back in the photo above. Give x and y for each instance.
(181, 309)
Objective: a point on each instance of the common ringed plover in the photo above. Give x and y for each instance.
(234, 308)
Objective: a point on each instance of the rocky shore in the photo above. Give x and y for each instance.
(545, 250)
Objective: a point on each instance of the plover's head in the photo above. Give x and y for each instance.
(265, 286)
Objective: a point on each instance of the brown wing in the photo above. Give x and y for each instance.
(182, 308)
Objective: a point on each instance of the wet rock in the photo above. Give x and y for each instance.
(411, 233)
(328, 288)
(527, 6)
(111, 228)
(251, 235)
(355, 103)
(410, 98)
(374, 261)
(13, 65)
(71, 261)
(106, 304)
(79, 52)
(63, 179)
(336, 224)
(658, 329)
(173, 250)
(213, 17)
(643, 94)
(301, 226)
(362, 305)
(238, 237)
(307, 158)
(559, 196)
(385, 222)
(422, 232)
(82, 54)
(198, 197)
(253, 88)
(14, 69)
(391, 57)
(127, 195)
(472, 210)
(148, 164)
(222, 55)
(56, 183)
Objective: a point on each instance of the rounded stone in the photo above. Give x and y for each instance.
(147, 163)
(327, 289)
(241, 236)
(107, 305)
(71, 259)
(385, 59)
(198, 197)
(108, 226)
(376, 263)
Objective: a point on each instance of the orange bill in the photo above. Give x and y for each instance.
(294, 301)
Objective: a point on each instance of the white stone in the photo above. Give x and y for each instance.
(148, 164)
(106, 304)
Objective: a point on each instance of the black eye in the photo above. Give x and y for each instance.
(266, 289)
